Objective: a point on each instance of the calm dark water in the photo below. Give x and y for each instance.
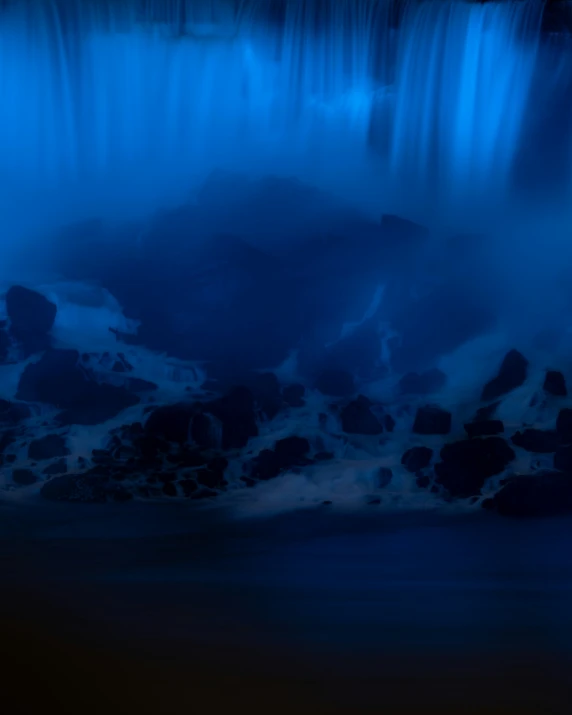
(314, 598)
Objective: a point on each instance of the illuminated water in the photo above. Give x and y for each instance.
(111, 109)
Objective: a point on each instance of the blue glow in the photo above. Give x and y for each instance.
(136, 103)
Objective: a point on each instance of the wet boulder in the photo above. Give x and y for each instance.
(466, 465)
(535, 495)
(32, 317)
(417, 458)
(555, 384)
(236, 411)
(357, 418)
(512, 374)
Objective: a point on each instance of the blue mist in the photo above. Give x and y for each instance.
(134, 102)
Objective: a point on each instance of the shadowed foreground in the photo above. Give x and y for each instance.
(299, 614)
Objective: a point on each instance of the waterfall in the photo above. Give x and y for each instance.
(436, 92)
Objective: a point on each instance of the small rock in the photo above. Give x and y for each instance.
(357, 418)
(512, 374)
(417, 458)
(388, 423)
(432, 420)
(323, 456)
(555, 384)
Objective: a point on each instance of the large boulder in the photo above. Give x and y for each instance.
(58, 379)
(357, 418)
(466, 465)
(512, 374)
(32, 317)
(535, 495)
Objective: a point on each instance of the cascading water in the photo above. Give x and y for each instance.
(151, 95)
(462, 86)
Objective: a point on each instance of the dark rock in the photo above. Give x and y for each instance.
(484, 428)
(10, 458)
(512, 374)
(385, 475)
(563, 459)
(292, 451)
(537, 440)
(169, 489)
(171, 422)
(373, 501)
(189, 458)
(5, 344)
(357, 418)
(266, 465)
(426, 383)
(57, 379)
(388, 423)
(7, 438)
(59, 467)
(118, 366)
(293, 395)
(213, 479)
(564, 425)
(23, 477)
(32, 317)
(335, 383)
(248, 481)
(467, 464)
(417, 458)
(432, 420)
(423, 481)
(236, 412)
(555, 384)
(87, 488)
(12, 413)
(484, 414)
(537, 495)
(48, 447)
(202, 431)
(102, 456)
(266, 391)
(287, 453)
(189, 487)
(324, 456)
